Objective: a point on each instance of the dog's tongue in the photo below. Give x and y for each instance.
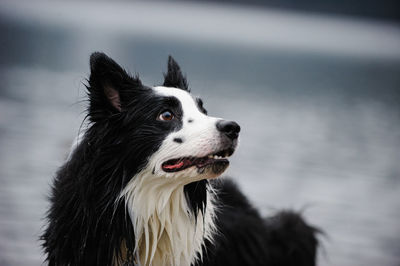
(177, 165)
(184, 163)
(174, 166)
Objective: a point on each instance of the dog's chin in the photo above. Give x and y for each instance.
(213, 170)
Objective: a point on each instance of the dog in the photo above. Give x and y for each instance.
(140, 186)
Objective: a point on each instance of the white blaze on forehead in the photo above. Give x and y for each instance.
(189, 106)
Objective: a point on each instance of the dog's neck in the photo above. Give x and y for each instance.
(167, 231)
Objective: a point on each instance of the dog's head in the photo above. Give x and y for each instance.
(162, 129)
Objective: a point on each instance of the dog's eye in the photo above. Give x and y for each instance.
(166, 116)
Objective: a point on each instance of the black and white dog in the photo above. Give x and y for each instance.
(139, 187)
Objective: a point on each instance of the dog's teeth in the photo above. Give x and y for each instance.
(216, 157)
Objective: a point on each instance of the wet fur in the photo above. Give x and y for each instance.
(109, 207)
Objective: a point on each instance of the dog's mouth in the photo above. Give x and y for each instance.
(217, 161)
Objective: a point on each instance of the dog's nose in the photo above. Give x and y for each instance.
(229, 128)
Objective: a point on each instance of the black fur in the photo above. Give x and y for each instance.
(245, 238)
(178, 140)
(85, 227)
(196, 196)
(200, 106)
(174, 76)
(88, 224)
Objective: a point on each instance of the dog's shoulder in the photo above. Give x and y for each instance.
(231, 197)
(246, 238)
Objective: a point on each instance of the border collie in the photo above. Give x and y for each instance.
(139, 186)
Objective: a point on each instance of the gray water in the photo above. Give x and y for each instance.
(320, 131)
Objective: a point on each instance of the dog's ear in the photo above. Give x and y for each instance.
(110, 87)
(174, 76)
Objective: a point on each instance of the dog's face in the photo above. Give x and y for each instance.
(162, 129)
(198, 148)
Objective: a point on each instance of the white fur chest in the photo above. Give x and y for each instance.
(165, 229)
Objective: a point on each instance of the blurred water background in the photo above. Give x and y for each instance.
(317, 96)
